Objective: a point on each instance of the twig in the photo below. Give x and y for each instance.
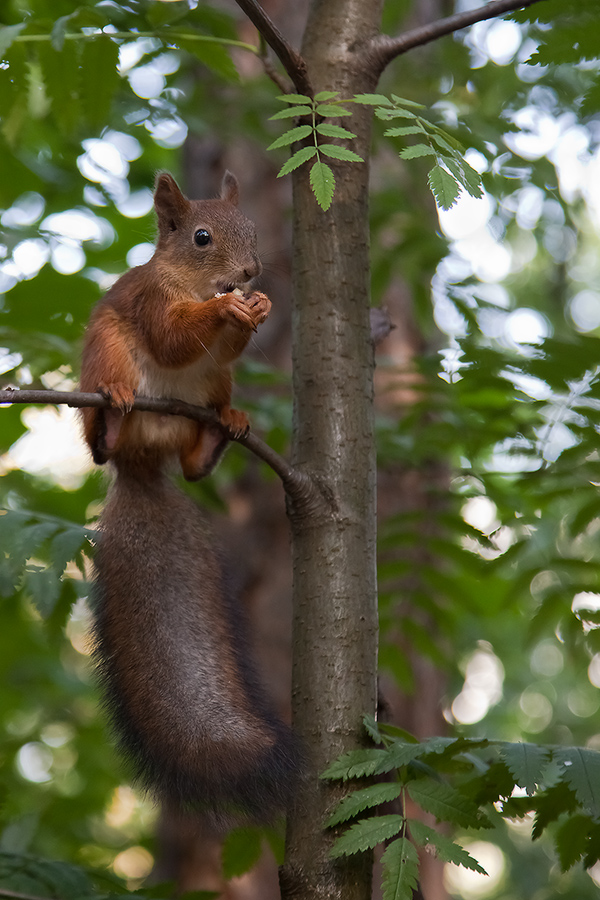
(296, 484)
(384, 49)
(291, 60)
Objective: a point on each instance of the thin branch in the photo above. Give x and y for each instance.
(297, 485)
(290, 59)
(384, 49)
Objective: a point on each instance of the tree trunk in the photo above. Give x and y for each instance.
(335, 617)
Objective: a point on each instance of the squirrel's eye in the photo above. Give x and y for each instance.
(202, 237)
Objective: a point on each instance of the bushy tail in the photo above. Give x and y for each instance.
(185, 702)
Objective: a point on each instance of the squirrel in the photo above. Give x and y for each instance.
(183, 697)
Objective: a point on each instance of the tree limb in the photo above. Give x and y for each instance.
(298, 486)
(291, 60)
(384, 49)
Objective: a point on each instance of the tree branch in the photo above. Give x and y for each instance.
(384, 49)
(298, 486)
(291, 60)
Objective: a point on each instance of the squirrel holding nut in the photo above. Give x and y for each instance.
(186, 706)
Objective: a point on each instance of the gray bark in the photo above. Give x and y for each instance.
(335, 617)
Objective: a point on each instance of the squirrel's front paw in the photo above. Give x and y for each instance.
(248, 310)
(121, 396)
(259, 306)
(235, 421)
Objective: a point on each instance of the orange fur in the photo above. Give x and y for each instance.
(171, 328)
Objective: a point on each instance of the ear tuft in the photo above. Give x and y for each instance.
(230, 189)
(170, 204)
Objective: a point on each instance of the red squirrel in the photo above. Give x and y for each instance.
(184, 700)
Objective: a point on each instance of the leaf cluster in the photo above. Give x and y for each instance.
(451, 171)
(466, 783)
(315, 111)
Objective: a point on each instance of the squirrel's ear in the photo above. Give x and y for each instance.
(230, 189)
(170, 204)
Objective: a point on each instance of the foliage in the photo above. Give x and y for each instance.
(466, 783)
(480, 416)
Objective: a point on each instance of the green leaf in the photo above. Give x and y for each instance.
(372, 99)
(402, 101)
(44, 587)
(323, 184)
(291, 136)
(213, 55)
(465, 175)
(328, 130)
(332, 112)
(362, 799)
(403, 130)
(326, 95)
(526, 763)
(65, 546)
(417, 150)
(366, 834)
(59, 30)
(355, 764)
(372, 728)
(61, 74)
(7, 35)
(551, 805)
(395, 114)
(340, 153)
(99, 79)
(446, 849)
(299, 157)
(443, 187)
(400, 870)
(581, 771)
(295, 98)
(291, 111)
(241, 851)
(446, 803)
(571, 840)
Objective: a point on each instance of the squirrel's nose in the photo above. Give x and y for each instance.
(252, 269)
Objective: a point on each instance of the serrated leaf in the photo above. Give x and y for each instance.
(465, 175)
(299, 157)
(355, 764)
(328, 130)
(343, 153)
(291, 136)
(372, 99)
(446, 803)
(551, 805)
(404, 130)
(446, 849)
(65, 546)
(363, 799)
(328, 110)
(322, 181)
(526, 762)
(581, 771)
(444, 187)
(291, 111)
(241, 851)
(417, 150)
(571, 840)
(400, 870)
(395, 114)
(366, 834)
(326, 95)
(402, 101)
(371, 726)
(7, 35)
(44, 587)
(295, 98)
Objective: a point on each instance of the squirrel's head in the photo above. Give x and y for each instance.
(210, 243)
